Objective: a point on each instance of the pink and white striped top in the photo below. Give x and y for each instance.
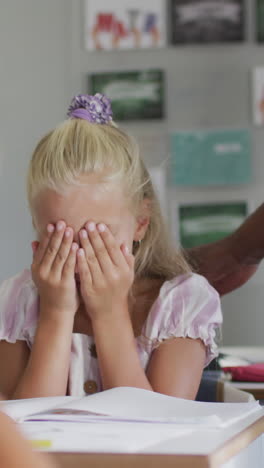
(187, 306)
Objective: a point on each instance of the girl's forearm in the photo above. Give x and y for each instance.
(48, 368)
(117, 353)
(15, 451)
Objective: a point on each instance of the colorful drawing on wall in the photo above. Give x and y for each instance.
(207, 21)
(135, 95)
(258, 95)
(208, 222)
(125, 24)
(220, 157)
(260, 20)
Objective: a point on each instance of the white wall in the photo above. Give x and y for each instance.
(43, 63)
(35, 41)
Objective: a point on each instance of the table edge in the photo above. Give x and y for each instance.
(215, 459)
(238, 442)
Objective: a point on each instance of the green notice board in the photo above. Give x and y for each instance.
(260, 20)
(134, 95)
(221, 157)
(203, 223)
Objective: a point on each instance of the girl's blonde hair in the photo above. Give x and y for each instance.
(77, 147)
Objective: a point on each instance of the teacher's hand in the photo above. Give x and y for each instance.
(219, 265)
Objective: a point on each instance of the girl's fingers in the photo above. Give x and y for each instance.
(106, 245)
(53, 246)
(34, 246)
(83, 268)
(99, 248)
(91, 258)
(69, 265)
(62, 253)
(38, 254)
(129, 258)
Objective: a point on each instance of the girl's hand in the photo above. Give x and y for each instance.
(53, 267)
(106, 271)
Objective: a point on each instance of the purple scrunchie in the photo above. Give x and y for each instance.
(95, 109)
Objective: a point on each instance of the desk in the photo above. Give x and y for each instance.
(255, 388)
(254, 354)
(201, 449)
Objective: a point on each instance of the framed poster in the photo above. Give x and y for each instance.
(259, 20)
(213, 157)
(202, 223)
(258, 95)
(134, 95)
(207, 21)
(125, 24)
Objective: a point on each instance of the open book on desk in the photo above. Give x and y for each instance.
(126, 404)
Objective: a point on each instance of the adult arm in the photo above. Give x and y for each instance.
(230, 262)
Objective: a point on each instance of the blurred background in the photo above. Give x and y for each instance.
(185, 78)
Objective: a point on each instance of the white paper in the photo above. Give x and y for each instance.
(158, 177)
(133, 404)
(19, 409)
(94, 437)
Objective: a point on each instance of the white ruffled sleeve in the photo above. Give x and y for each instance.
(187, 306)
(18, 308)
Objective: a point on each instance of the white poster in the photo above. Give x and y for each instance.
(125, 24)
(159, 180)
(258, 95)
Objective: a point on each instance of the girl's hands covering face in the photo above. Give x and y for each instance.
(106, 270)
(53, 269)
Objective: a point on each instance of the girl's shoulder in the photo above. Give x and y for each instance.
(182, 301)
(191, 286)
(18, 307)
(187, 306)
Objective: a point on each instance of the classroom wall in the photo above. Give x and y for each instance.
(43, 63)
(35, 44)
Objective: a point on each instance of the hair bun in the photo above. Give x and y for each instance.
(94, 109)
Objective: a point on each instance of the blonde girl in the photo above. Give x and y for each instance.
(108, 301)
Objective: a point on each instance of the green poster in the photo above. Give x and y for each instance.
(135, 95)
(260, 20)
(221, 157)
(203, 223)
